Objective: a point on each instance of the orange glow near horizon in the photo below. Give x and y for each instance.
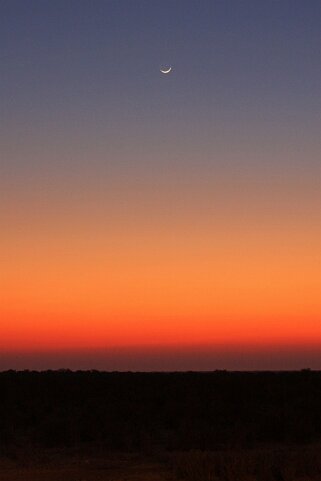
(229, 276)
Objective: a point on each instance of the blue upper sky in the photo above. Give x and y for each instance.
(88, 71)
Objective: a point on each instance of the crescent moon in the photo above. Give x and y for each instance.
(166, 71)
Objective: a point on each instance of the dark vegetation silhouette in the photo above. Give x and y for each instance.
(140, 412)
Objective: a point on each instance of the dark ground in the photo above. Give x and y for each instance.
(218, 426)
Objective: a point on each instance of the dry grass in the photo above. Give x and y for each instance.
(283, 464)
(120, 468)
(264, 464)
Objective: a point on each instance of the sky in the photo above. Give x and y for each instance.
(160, 222)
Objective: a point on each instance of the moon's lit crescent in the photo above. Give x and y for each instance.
(166, 71)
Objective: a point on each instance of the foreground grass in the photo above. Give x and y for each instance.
(265, 464)
(116, 468)
(286, 463)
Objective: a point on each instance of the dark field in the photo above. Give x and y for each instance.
(60, 466)
(219, 426)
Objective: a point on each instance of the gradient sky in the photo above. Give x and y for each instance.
(158, 222)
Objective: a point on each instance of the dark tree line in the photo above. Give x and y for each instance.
(176, 411)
